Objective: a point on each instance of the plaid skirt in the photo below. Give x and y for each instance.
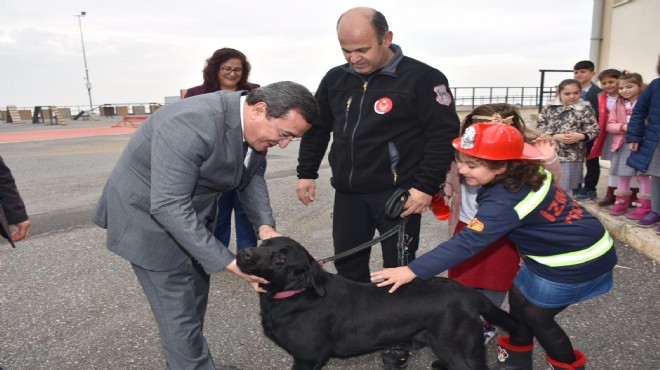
(618, 166)
(571, 175)
(606, 153)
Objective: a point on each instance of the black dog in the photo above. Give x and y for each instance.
(315, 315)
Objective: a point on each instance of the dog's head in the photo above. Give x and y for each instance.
(285, 264)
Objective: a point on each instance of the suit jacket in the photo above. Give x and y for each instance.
(12, 208)
(159, 204)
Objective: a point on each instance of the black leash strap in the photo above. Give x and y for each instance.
(393, 209)
(362, 246)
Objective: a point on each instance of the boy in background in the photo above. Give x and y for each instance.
(584, 71)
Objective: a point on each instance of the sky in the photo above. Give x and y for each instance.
(142, 51)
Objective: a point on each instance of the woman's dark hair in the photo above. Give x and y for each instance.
(213, 66)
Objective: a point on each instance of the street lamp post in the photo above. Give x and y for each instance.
(88, 84)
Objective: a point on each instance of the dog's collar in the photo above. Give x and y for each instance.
(287, 293)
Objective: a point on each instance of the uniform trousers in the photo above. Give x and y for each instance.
(355, 219)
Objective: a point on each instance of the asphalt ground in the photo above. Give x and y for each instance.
(68, 303)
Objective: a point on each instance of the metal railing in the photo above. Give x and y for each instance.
(463, 96)
(521, 96)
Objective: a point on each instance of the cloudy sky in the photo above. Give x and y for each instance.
(141, 51)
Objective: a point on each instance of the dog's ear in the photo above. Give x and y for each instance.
(316, 276)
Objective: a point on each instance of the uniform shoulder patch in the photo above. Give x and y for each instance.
(476, 225)
(442, 95)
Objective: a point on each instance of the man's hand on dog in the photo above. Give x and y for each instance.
(267, 232)
(254, 281)
(396, 277)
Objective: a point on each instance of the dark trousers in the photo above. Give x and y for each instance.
(593, 170)
(355, 220)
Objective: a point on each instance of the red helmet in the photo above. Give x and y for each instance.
(495, 141)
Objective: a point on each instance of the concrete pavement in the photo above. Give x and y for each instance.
(68, 303)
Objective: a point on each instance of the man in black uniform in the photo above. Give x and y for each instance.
(392, 119)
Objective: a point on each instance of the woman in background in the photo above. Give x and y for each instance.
(229, 69)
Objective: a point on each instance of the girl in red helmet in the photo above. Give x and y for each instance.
(491, 271)
(568, 253)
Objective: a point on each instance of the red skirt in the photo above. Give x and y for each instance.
(493, 268)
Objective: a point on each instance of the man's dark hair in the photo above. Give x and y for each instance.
(283, 97)
(378, 22)
(380, 25)
(584, 64)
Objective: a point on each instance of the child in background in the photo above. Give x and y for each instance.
(492, 271)
(642, 137)
(571, 122)
(584, 71)
(630, 86)
(569, 255)
(609, 80)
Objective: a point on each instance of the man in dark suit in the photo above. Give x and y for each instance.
(14, 221)
(159, 204)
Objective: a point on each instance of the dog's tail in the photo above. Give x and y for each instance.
(495, 315)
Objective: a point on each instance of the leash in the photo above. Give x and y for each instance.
(393, 209)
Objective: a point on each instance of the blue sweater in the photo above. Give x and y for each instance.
(557, 225)
(646, 108)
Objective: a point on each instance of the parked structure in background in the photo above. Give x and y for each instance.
(466, 98)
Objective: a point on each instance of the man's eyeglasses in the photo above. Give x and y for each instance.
(285, 136)
(229, 70)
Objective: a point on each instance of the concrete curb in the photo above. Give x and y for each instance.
(644, 240)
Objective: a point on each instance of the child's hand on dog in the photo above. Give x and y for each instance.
(396, 277)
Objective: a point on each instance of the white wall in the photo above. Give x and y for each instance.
(635, 37)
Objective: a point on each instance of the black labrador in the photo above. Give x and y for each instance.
(315, 315)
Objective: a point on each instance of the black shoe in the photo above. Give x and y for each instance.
(395, 357)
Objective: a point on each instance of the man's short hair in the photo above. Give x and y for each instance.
(283, 97)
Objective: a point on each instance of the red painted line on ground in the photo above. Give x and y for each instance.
(17, 137)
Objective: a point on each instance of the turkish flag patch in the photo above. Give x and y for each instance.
(383, 105)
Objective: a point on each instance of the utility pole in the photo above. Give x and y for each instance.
(88, 84)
